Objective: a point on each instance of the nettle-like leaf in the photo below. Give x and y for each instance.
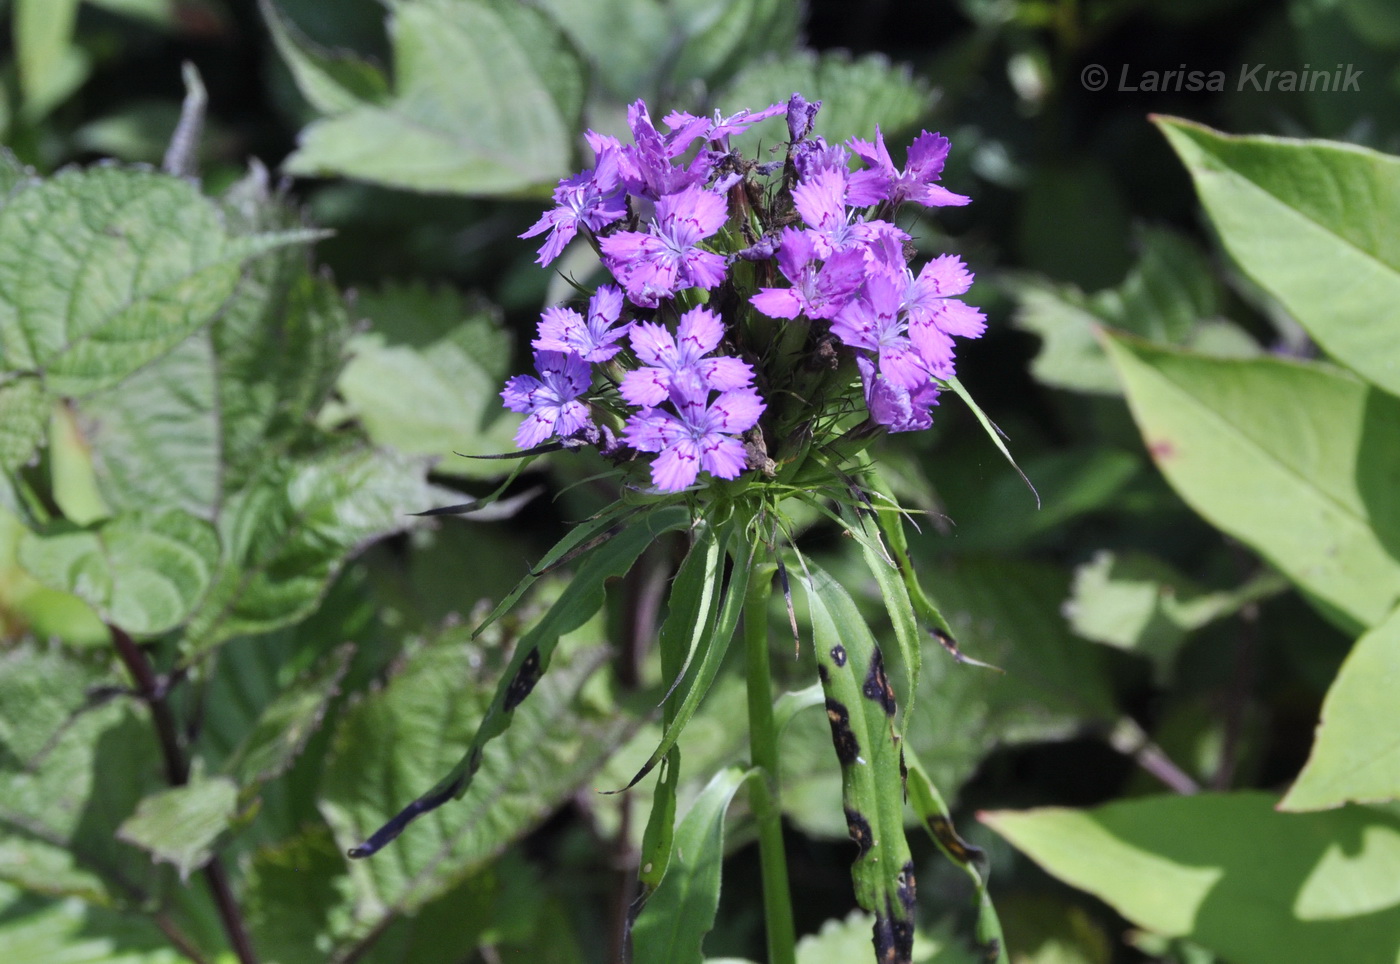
(1300, 215)
(143, 571)
(1231, 873)
(853, 92)
(426, 378)
(179, 825)
(33, 929)
(1298, 460)
(1356, 756)
(103, 271)
(24, 414)
(396, 741)
(487, 94)
(291, 529)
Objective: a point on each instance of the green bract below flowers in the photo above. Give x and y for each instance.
(763, 326)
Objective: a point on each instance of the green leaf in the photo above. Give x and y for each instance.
(69, 932)
(1300, 215)
(398, 739)
(486, 102)
(24, 415)
(854, 94)
(576, 605)
(676, 919)
(1356, 756)
(51, 67)
(290, 531)
(331, 81)
(1230, 873)
(720, 37)
(426, 379)
(103, 271)
(1139, 603)
(179, 825)
(1294, 459)
(29, 607)
(143, 571)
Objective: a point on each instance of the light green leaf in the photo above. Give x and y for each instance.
(426, 379)
(143, 571)
(1141, 604)
(1294, 459)
(1229, 872)
(103, 271)
(29, 607)
(331, 81)
(676, 919)
(179, 825)
(399, 739)
(1313, 223)
(51, 66)
(24, 415)
(486, 102)
(720, 37)
(290, 531)
(855, 93)
(1356, 756)
(70, 932)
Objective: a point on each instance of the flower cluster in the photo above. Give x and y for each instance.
(697, 324)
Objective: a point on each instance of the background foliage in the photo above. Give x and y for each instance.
(212, 435)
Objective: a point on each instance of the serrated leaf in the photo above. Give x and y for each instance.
(1356, 756)
(399, 739)
(486, 99)
(103, 271)
(1299, 215)
(331, 81)
(855, 93)
(682, 911)
(179, 825)
(1297, 460)
(426, 379)
(1230, 873)
(70, 932)
(24, 415)
(143, 571)
(290, 531)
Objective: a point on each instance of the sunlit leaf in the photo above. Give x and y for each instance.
(179, 825)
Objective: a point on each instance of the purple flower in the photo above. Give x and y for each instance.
(800, 116)
(699, 437)
(647, 167)
(684, 125)
(935, 315)
(676, 367)
(873, 322)
(655, 264)
(897, 408)
(915, 182)
(817, 292)
(592, 198)
(551, 400)
(563, 329)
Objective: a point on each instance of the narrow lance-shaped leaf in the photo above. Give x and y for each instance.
(900, 610)
(673, 926)
(936, 818)
(860, 707)
(583, 597)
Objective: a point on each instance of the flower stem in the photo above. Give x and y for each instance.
(763, 792)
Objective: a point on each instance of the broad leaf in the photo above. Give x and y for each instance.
(1357, 753)
(1296, 460)
(682, 911)
(1230, 873)
(103, 271)
(179, 825)
(68, 932)
(331, 81)
(486, 100)
(24, 414)
(1313, 223)
(142, 571)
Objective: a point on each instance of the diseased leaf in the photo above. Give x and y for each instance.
(103, 271)
(143, 571)
(486, 97)
(1356, 756)
(1297, 216)
(676, 919)
(179, 825)
(1297, 460)
(1230, 873)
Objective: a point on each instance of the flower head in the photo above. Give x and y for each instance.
(699, 436)
(592, 199)
(563, 329)
(677, 367)
(551, 400)
(915, 182)
(656, 263)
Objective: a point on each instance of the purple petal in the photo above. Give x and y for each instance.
(777, 302)
(645, 387)
(699, 332)
(725, 373)
(676, 467)
(723, 457)
(736, 411)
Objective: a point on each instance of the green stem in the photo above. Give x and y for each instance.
(763, 792)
